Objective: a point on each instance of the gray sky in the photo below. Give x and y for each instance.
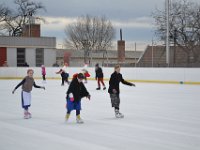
(133, 16)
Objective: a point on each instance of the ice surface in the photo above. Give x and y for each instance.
(157, 117)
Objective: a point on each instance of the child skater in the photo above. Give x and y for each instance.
(75, 93)
(64, 72)
(85, 72)
(114, 91)
(99, 77)
(43, 73)
(27, 84)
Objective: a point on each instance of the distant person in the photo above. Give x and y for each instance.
(55, 64)
(99, 77)
(75, 93)
(64, 72)
(27, 83)
(85, 72)
(114, 90)
(26, 64)
(43, 73)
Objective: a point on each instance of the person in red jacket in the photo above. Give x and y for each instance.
(114, 90)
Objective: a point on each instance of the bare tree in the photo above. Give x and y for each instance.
(184, 24)
(13, 21)
(93, 33)
(3, 12)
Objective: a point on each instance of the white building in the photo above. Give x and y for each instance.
(33, 50)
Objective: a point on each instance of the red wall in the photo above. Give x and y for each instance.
(3, 55)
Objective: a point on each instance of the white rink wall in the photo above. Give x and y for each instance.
(160, 75)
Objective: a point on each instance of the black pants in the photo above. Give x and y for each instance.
(64, 77)
(43, 76)
(77, 112)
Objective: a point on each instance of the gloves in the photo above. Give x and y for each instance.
(71, 97)
(114, 91)
(89, 96)
(13, 91)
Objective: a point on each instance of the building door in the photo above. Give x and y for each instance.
(21, 57)
(3, 55)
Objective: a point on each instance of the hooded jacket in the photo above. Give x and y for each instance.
(77, 89)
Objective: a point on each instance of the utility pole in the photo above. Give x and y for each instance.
(152, 53)
(135, 55)
(167, 34)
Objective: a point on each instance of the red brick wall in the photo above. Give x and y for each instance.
(33, 32)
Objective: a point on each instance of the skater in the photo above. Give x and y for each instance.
(64, 72)
(114, 91)
(85, 72)
(75, 93)
(27, 84)
(43, 73)
(99, 77)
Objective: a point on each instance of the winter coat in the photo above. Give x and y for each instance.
(99, 72)
(114, 81)
(43, 71)
(77, 89)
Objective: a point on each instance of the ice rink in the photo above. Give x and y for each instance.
(157, 117)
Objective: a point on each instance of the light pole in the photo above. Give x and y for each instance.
(152, 53)
(135, 54)
(167, 34)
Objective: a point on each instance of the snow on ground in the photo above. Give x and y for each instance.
(157, 117)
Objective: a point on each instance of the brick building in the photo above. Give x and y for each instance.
(104, 58)
(156, 57)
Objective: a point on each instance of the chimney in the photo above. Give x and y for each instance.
(31, 30)
(121, 48)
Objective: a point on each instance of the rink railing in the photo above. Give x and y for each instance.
(147, 75)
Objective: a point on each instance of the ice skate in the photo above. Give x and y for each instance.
(79, 120)
(118, 114)
(29, 114)
(26, 115)
(67, 117)
(98, 88)
(104, 88)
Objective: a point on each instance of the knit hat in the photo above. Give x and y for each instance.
(80, 76)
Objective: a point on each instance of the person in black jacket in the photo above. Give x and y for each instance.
(75, 93)
(99, 77)
(114, 90)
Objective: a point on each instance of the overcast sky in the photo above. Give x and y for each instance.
(133, 16)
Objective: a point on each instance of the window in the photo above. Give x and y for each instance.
(39, 57)
(20, 57)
